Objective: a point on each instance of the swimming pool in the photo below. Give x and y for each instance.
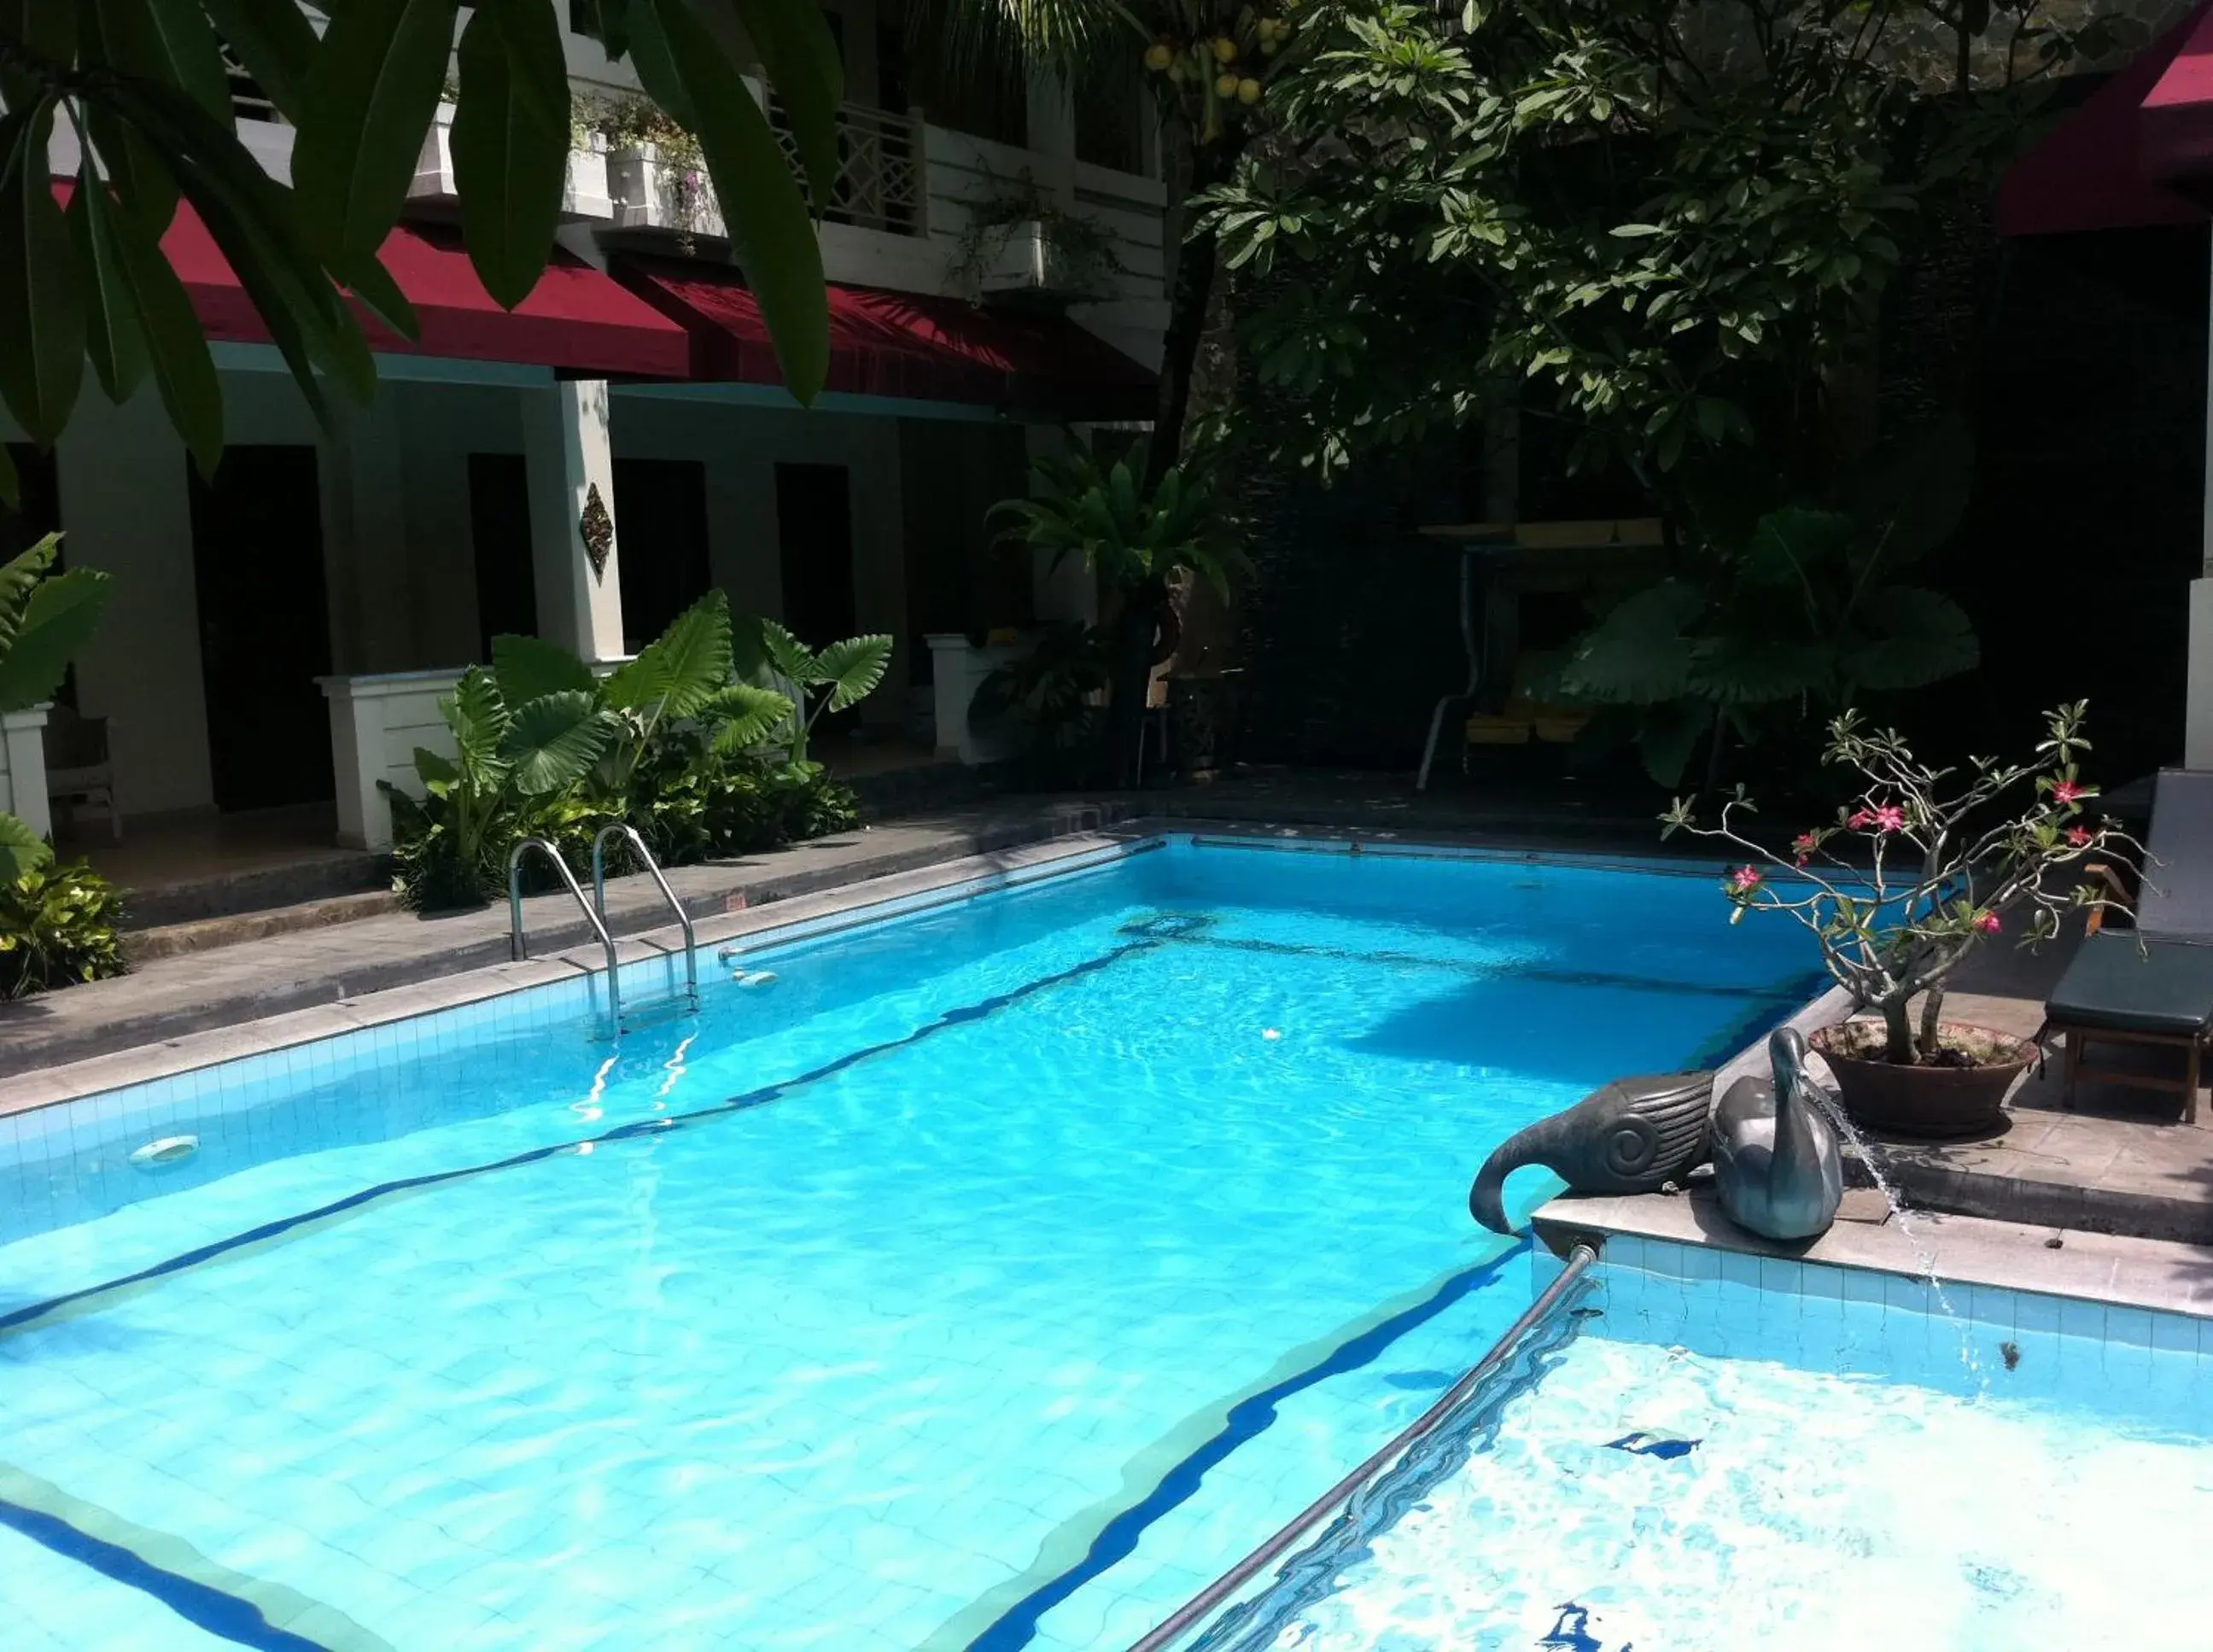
(990, 1277)
(1714, 1450)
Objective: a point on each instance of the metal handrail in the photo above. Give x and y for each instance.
(1202, 1605)
(518, 947)
(645, 859)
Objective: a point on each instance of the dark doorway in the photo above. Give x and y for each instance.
(815, 544)
(265, 626)
(660, 542)
(37, 513)
(499, 528)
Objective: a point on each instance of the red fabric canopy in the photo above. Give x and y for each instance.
(575, 320)
(904, 347)
(2108, 165)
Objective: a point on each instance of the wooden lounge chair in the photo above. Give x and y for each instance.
(2154, 985)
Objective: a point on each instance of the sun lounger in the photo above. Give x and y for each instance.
(2154, 985)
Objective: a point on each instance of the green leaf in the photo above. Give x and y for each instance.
(19, 578)
(788, 654)
(41, 324)
(276, 44)
(511, 143)
(763, 211)
(1668, 734)
(112, 334)
(176, 348)
(1909, 637)
(121, 36)
(59, 619)
(680, 670)
(477, 714)
(800, 56)
(553, 742)
(23, 851)
(1638, 654)
(369, 100)
(853, 668)
(189, 57)
(743, 715)
(1757, 670)
(434, 769)
(528, 666)
(1788, 545)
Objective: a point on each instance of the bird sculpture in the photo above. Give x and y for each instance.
(1776, 1166)
(1633, 1136)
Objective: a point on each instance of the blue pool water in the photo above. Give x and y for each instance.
(990, 1279)
(1713, 1451)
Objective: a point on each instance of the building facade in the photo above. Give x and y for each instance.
(277, 635)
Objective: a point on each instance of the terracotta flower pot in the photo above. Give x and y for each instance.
(1932, 1099)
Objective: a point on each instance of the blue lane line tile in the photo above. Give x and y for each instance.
(225, 1616)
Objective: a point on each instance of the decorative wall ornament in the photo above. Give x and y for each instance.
(598, 528)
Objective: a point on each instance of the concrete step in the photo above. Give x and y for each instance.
(205, 933)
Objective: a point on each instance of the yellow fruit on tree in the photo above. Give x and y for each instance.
(1248, 90)
(1158, 57)
(1225, 49)
(1225, 86)
(1269, 48)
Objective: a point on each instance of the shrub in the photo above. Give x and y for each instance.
(58, 927)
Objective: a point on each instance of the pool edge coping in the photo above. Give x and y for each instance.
(963, 877)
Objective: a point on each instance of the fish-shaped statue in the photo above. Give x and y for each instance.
(1633, 1136)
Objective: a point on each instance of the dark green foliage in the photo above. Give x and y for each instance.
(144, 82)
(671, 744)
(58, 927)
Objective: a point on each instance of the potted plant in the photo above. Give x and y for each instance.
(1952, 858)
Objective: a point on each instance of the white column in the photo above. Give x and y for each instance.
(126, 508)
(572, 480)
(23, 769)
(2198, 710)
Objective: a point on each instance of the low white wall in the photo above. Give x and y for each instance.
(376, 723)
(23, 769)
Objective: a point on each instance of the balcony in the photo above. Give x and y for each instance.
(584, 197)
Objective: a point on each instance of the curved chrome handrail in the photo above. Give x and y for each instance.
(619, 829)
(518, 947)
(1202, 1605)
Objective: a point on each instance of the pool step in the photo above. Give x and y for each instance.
(206, 934)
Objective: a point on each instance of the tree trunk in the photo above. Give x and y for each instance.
(1932, 1012)
(1190, 302)
(1898, 1027)
(1135, 629)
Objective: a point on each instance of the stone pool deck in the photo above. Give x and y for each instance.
(2135, 1272)
(168, 999)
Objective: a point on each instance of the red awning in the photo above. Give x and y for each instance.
(575, 320)
(2108, 165)
(904, 347)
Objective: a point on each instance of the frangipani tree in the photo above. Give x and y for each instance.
(143, 85)
(1950, 862)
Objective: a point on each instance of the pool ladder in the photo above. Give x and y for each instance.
(596, 912)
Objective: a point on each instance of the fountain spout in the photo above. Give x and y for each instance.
(1776, 1164)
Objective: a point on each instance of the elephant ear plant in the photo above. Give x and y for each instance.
(58, 923)
(843, 674)
(1923, 866)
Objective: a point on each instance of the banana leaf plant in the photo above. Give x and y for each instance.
(1139, 542)
(842, 675)
(1797, 612)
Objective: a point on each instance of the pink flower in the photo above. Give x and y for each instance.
(1890, 818)
(1805, 844)
(2065, 791)
(1862, 820)
(1988, 923)
(2078, 835)
(1745, 879)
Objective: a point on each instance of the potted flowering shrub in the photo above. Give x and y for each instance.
(1921, 868)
